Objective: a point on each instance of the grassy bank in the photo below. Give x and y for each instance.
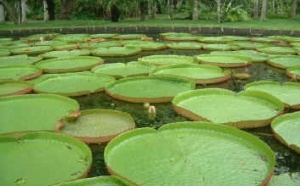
(280, 24)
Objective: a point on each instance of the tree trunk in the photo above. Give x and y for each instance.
(10, 12)
(152, 7)
(255, 9)
(170, 5)
(143, 9)
(294, 9)
(23, 11)
(263, 10)
(195, 10)
(219, 11)
(66, 9)
(51, 9)
(2, 13)
(46, 12)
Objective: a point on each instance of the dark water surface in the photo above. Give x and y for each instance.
(286, 159)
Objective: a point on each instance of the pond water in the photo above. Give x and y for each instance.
(286, 159)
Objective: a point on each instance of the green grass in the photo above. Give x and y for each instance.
(282, 24)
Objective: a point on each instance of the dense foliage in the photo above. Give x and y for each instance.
(221, 10)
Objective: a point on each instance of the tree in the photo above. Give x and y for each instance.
(263, 10)
(255, 9)
(2, 13)
(294, 9)
(143, 9)
(195, 10)
(219, 11)
(23, 17)
(11, 13)
(46, 12)
(66, 9)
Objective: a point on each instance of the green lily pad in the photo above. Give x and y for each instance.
(129, 36)
(220, 47)
(167, 59)
(34, 50)
(65, 47)
(29, 159)
(185, 45)
(264, 39)
(284, 61)
(286, 129)
(14, 87)
(96, 181)
(67, 84)
(38, 37)
(18, 60)
(247, 109)
(285, 179)
(4, 52)
(145, 45)
(288, 92)
(49, 43)
(120, 70)
(34, 112)
(294, 72)
(216, 39)
(248, 45)
(148, 89)
(96, 125)
(104, 36)
(190, 153)
(178, 36)
(116, 51)
(64, 53)
(223, 60)
(104, 44)
(254, 55)
(278, 50)
(72, 38)
(200, 74)
(19, 72)
(71, 64)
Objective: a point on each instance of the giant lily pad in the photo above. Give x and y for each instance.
(145, 45)
(253, 55)
(249, 45)
(71, 64)
(247, 109)
(66, 53)
(220, 47)
(216, 39)
(31, 50)
(286, 129)
(18, 60)
(185, 45)
(34, 112)
(223, 60)
(286, 179)
(167, 59)
(19, 72)
(4, 52)
(178, 36)
(96, 181)
(278, 50)
(29, 159)
(288, 93)
(284, 61)
(148, 89)
(72, 38)
(96, 125)
(129, 36)
(116, 51)
(120, 70)
(67, 84)
(190, 153)
(200, 74)
(294, 72)
(8, 88)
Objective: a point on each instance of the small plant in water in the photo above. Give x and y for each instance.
(151, 110)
